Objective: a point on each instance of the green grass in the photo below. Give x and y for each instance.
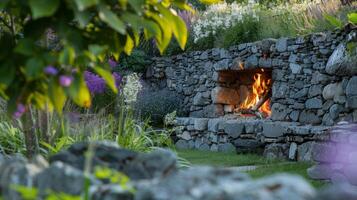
(223, 159)
(266, 167)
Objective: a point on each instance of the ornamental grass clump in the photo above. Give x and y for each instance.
(222, 16)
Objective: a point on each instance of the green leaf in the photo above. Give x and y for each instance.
(7, 74)
(334, 21)
(108, 77)
(352, 17)
(26, 192)
(129, 45)
(137, 5)
(57, 95)
(43, 8)
(79, 93)
(25, 47)
(84, 4)
(111, 19)
(3, 3)
(97, 49)
(67, 56)
(208, 2)
(34, 68)
(83, 18)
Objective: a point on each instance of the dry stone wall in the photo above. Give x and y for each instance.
(314, 86)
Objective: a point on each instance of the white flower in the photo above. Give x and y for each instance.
(131, 88)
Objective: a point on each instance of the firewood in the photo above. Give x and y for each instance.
(262, 100)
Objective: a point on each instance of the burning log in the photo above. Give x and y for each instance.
(255, 109)
(262, 100)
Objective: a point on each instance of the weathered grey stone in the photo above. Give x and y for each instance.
(351, 102)
(213, 124)
(318, 77)
(280, 90)
(282, 44)
(292, 151)
(320, 171)
(227, 147)
(294, 115)
(309, 117)
(247, 145)
(329, 91)
(276, 151)
(185, 135)
(110, 192)
(251, 62)
(279, 111)
(272, 129)
(200, 124)
(315, 90)
(265, 62)
(210, 111)
(233, 128)
(335, 110)
(204, 147)
(222, 95)
(61, 178)
(313, 103)
(200, 100)
(295, 68)
(351, 88)
(304, 153)
(182, 121)
(337, 57)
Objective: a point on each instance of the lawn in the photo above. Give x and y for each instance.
(265, 166)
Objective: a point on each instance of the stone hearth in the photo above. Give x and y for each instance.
(312, 89)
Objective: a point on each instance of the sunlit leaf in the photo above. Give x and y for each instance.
(111, 19)
(43, 8)
(57, 96)
(108, 77)
(334, 21)
(34, 68)
(79, 93)
(352, 17)
(67, 56)
(84, 4)
(208, 2)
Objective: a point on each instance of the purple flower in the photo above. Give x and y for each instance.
(65, 80)
(112, 63)
(51, 70)
(20, 110)
(96, 84)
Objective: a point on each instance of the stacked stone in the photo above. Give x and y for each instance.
(281, 140)
(313, 83)
(336, 158)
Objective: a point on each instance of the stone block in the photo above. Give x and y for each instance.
(280, 90)
(200, 124)
(295, 68)
(183, 121)
(281, 44)
(332, 90)
(227, 147)
(314, 103)
(276, 151)
(292, 151)
(213, 124)
(351, 102)
(309, 117)
(279, 111)
(315, 90)
(182, 144)
(273, 129)
(304, 153)
(200, 100)
(233, 128)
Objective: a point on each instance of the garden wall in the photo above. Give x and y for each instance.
(313, 87)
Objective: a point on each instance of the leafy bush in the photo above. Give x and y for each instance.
(154, 105)
(240, 33)
(136, 62)
(11, 139)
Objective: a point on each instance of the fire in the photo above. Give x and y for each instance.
(260, 88)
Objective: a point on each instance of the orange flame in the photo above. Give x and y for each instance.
(260, 87)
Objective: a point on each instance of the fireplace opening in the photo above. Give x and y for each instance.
(249, 92)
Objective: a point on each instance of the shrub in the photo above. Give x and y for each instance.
(136, 62)
(156, 104)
